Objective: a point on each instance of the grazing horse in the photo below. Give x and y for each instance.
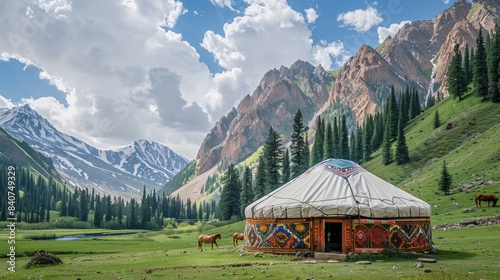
(208, 239)
(486, 197)
(237, 236)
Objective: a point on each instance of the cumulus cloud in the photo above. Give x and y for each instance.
(223, 3)
(384, 32)
(361, 20)
(102, 54)
(311, 15)
(323, 52)
(5, 103)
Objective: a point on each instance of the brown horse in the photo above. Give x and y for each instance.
(486, 197)
(237, 236)
(208, 239)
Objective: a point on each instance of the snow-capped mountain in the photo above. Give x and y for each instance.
(123, 172)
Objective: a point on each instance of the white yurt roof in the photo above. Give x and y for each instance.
(338, 188)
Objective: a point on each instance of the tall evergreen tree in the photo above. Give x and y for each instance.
(445, 180)
(259, 189)
(386, 145)
(437, 123)
(393, 114)
(273, 156)
(246, 196)
(328, 151)
(307, 152)
(480, 74)
(344, 138)
(466, 65)
(336, 139)
(456, 78)
(97, 211)
(317, 148)
(401, 155)
(229, 204)
(285, 171)
(493, 67)
(298, 161)
(368, 134)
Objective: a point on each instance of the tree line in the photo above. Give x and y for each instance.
(476, 70)
(38, 199)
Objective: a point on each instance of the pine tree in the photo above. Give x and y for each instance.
(445, 180)
(402, 155)
(456, 78)
(246, 196)
(392, 114)
(285, 171)
(344, 139)
(437, 123)
(466, 65)
(328, 144)
(317, 148)
(298, 146)
(386, 146)
(97, 211)
(493, 67)
(368, 134)
(259, 189)
(336, 139)
(480, 74)
(307, 152)
(273, 156)
(229, 204)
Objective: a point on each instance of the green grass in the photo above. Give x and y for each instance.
(469, 253)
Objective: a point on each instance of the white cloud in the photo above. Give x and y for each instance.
(311, 15)
(361, 20)
(223, 3)
(446, 1)
(384, 32)
(323, 52)
(102, 54)
(5, 103)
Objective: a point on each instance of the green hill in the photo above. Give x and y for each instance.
(467, 140)
(14, 152)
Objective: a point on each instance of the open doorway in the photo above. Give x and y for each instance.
(333, 237)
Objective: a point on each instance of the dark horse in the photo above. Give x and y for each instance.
(486, 197)
(208, 239)
(237, 236)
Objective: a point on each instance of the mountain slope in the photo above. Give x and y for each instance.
(121, 172)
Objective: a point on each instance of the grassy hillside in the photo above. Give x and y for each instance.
(470, 148)
(19, 153)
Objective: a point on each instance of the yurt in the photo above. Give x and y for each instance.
(337, 206)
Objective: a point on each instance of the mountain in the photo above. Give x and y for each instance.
(123, 172)
(273, 103)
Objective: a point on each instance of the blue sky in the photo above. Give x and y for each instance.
(111, 72)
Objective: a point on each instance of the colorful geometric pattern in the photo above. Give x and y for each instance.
(262, 235)
(405, 236)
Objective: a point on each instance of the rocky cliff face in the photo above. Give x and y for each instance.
(482, 14)
(418, 56)
(273, 103)
(364, 81)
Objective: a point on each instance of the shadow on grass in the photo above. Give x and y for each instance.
(453, 255)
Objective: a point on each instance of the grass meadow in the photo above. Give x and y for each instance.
(467, 253)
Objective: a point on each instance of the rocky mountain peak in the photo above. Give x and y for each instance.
(273, 103)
